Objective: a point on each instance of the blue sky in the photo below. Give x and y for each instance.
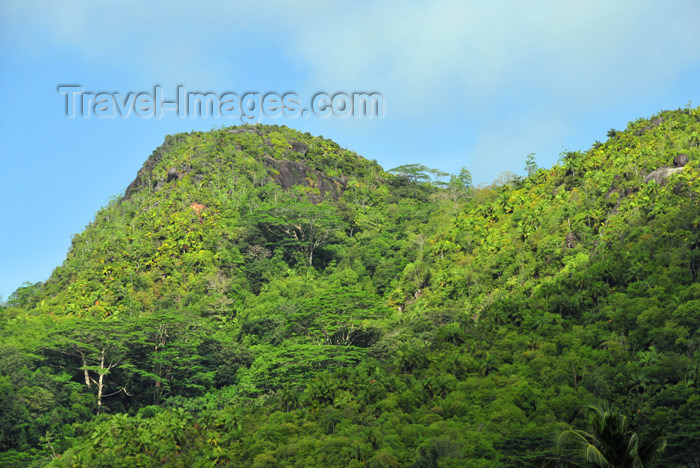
(465, 83)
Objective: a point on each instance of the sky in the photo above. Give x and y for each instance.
(464, 84)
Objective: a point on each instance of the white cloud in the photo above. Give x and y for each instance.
(463, 53)
(574, 51)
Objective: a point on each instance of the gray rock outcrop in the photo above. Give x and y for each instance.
(681, 160)
(661, 174)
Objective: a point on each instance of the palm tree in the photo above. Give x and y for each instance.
(611, 442)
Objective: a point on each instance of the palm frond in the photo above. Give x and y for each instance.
(594, 455)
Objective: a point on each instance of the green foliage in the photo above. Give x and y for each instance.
(414, 173)
(530, 165)
(262, 297)
(610, 441)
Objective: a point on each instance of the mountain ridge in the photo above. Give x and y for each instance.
(265, 297)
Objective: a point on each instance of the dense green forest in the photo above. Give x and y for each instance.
(263, 297)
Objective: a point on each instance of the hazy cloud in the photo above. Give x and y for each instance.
(456, 53)
(472, 50)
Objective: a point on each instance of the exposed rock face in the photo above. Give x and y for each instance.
(173, 174)
(143, 176)
(661, 174)
(681, 160)
(291, 173)
(288, 173)
(300, 147)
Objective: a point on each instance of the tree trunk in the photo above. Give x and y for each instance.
(86, 374)
(100, 382)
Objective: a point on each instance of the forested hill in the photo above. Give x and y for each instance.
(263, 297)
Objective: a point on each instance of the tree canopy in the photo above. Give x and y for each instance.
(263, 297)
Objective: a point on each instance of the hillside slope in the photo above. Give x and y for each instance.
(260, 297)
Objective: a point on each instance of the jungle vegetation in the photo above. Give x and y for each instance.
(260, 297)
